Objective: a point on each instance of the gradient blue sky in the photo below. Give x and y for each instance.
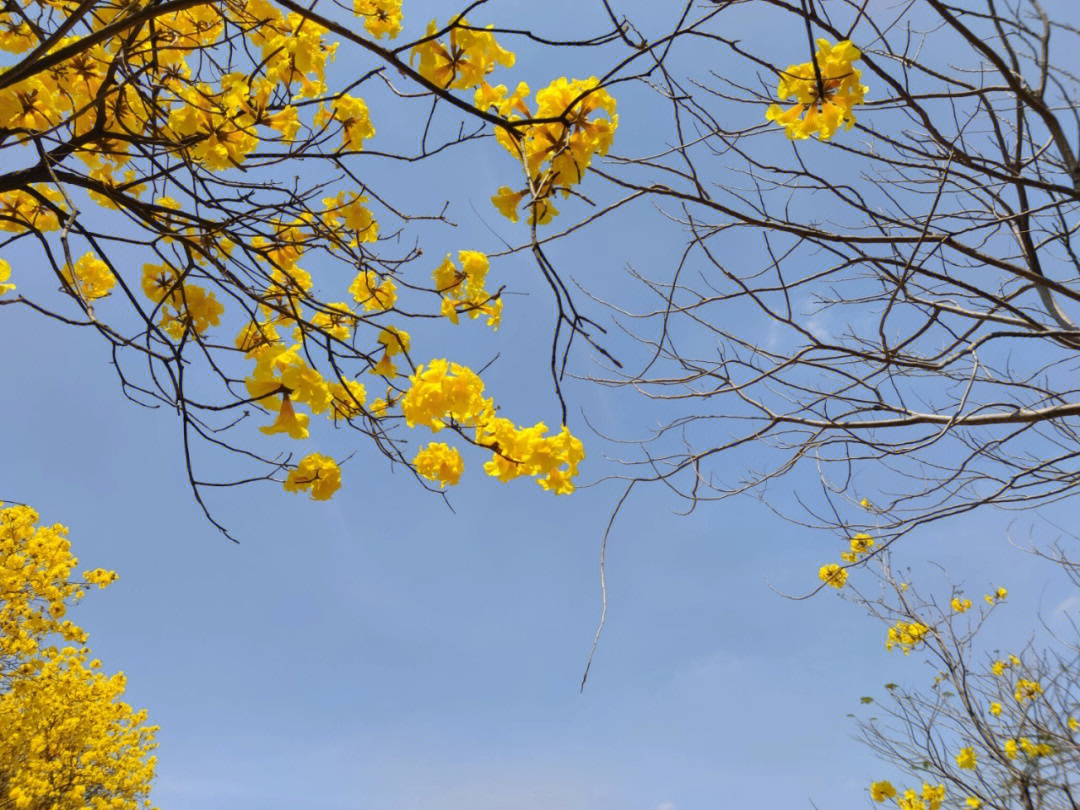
(382, 652)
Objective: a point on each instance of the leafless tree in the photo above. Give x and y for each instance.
(894, 308)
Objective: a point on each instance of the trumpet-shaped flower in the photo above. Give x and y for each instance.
(824, 90)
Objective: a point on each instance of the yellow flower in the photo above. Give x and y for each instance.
(961, 605)
(91, 277)
(381, 17)
(995, 708)
(1027, 690)
(507, 201)
(5, 274)
(99, 577)
(906, 635)
(355, 124)
(973, 802)
(933, 795)
(464, 290)
(827, 104)
(880, 791)
(394, 340)
(1010, 749)
(439, 462)
(317, 473)
(1034, 750)
(461, 63)
(372, 293)
(966, 758)
(288, 421)
(998, 667)
(346, 401)
(861, 543)
(833, 575)
(1074, 724)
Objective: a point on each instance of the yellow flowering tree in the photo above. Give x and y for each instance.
(994, 729)
(68, 740)
(146, 197)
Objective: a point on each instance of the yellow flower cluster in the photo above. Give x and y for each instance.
(961, 605)
(463, 289)
(999, 667)
(90, 278)
(21, 210)
(1027, 690)
(827, 104)
(440, 462)
(394, 341)
(860, 544)
(556, 154)
(348, 220)
(833, 575)
(906, 635)
(318, 474)
(1031, 749)
(69, 742)
(5, 274)
(880, 791)
(183, 306)
(463, 60)
(36, 567)
(293, 50)
(214, 127)
(373, 293)
(382, 18)
(352, 114)
(997, 596)
(931, 798)
(446, 394)
(280, 370)
(966, 759)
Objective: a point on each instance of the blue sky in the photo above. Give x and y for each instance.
(380, 651)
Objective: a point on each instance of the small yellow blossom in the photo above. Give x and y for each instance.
(966, 759)
(995, 708)
(961, 605)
